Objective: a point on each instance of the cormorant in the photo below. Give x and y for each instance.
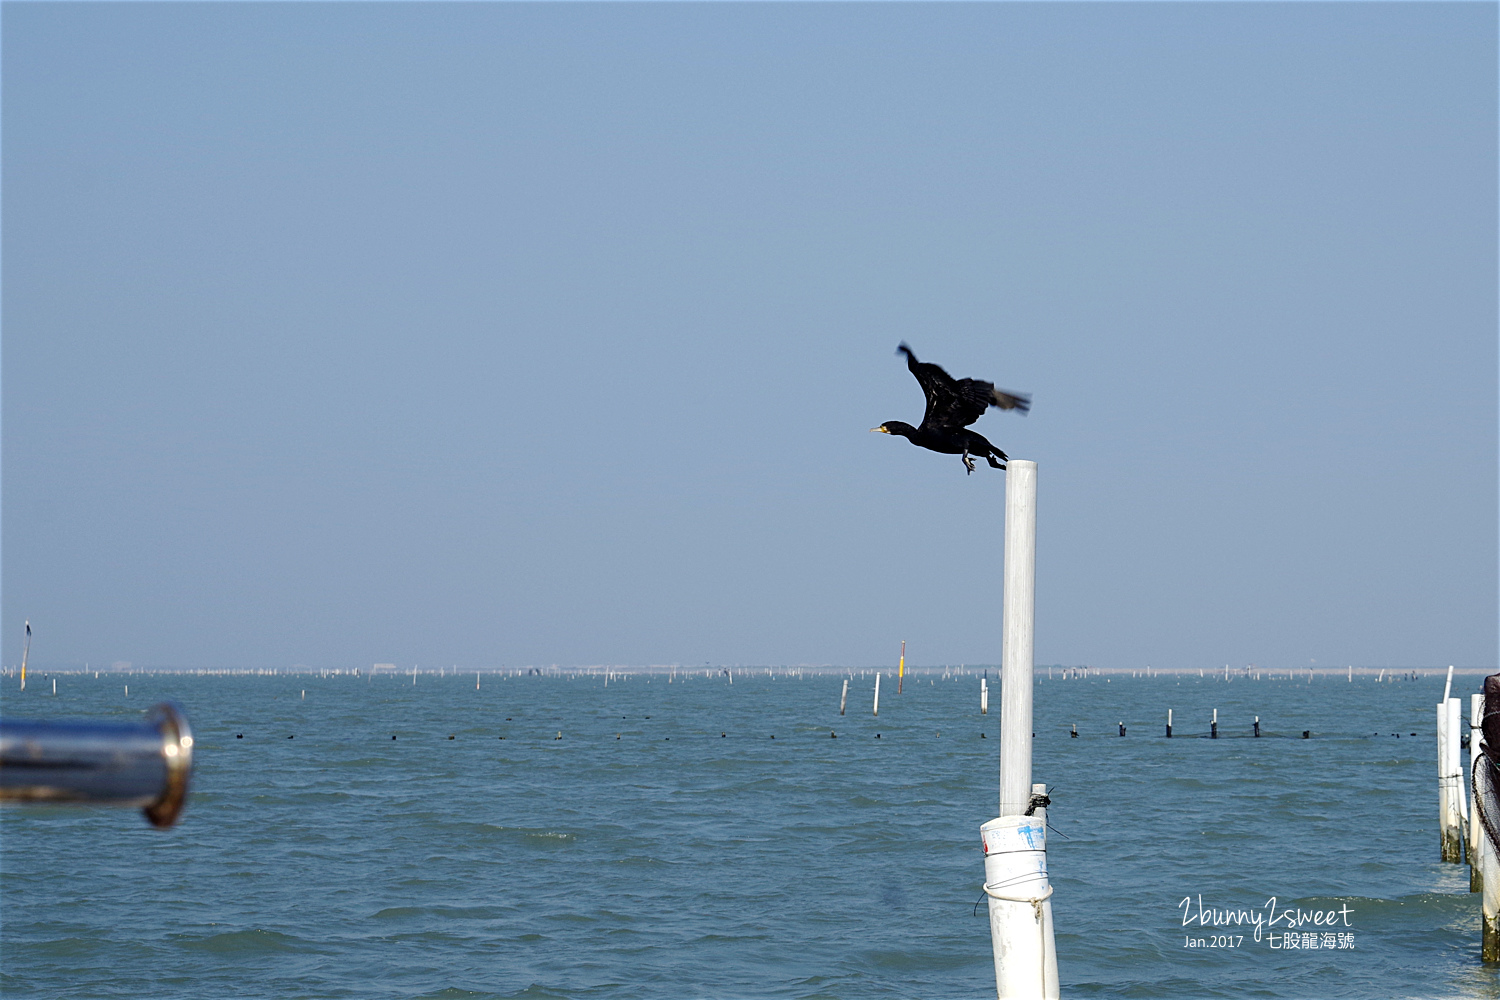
(952, 405)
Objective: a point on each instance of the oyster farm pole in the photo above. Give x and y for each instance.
(1015, 844)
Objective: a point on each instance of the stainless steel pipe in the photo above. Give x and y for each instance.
(145, 764)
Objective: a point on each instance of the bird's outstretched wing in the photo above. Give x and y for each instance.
(953, 403)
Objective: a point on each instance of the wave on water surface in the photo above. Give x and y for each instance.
(680, 851)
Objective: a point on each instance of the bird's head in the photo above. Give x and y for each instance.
(895, 427)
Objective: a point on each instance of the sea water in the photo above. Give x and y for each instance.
(560, 836)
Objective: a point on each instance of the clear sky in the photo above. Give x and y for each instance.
(518, 334)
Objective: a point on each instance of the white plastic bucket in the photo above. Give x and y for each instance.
(1015, 880)
(1015, 857)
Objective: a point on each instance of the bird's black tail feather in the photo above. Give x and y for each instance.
(1018, 401)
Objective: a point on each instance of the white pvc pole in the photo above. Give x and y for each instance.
(1456, 773)
(1049, 940)
(1016, 647)
(1015, 844)
(877, 694)
(844, 697)
(1442, 762)
(1450, 820)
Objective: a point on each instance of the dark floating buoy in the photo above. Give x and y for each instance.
(1074, 733)
(1257, 725)
(832, 735)
(877, 736)
(239, 736)
(617, 736)
(1122, 729)
(497, 737)
(291, 737)
(667, 738)
(981, 736)
(722, 735)
(773, 736)
(450, 736)
(393, 736)
(1307, 734)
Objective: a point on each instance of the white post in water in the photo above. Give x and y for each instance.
(1455, 737)
(844, 697)
(877, 694)
(1015, 844)
(1442, 770)
(984, 696)
(1016, 637)
(1450, 774)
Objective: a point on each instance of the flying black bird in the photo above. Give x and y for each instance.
(952, 405)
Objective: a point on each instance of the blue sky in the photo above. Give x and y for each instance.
(508, 334)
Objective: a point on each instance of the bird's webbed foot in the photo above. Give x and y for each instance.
(968, 464)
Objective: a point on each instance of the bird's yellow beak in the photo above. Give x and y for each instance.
(880, 429)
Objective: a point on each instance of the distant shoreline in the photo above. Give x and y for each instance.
(1041, 672)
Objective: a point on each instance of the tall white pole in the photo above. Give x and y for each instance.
(1450, 773)
(1015, 843)
(877, 694)
(1016, 643)
(1442, 770)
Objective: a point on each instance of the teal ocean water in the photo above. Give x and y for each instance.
(667, 846)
